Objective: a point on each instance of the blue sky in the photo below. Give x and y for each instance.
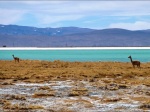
(132, 15)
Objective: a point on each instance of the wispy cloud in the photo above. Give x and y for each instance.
(138, 25)
(48, 19)
(10, 16)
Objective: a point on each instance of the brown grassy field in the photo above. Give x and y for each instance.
(40, 71)
(53, 86)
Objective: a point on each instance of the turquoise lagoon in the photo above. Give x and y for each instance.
(77, 54)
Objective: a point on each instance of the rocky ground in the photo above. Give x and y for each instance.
(41, 86)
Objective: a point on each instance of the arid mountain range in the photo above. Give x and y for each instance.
(25, 36)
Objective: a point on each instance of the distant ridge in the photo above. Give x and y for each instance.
(25, 36)
(26, 30)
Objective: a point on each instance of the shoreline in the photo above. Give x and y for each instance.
(70, 48)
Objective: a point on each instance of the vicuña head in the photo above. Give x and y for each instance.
(137, 63)
(16, 58)
(130, 56)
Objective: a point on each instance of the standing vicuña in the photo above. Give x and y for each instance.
(134, 62)
(16, 58)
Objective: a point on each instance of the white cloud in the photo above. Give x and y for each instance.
(47, 19)
(139, 25)
(48, 12)
(10, 16)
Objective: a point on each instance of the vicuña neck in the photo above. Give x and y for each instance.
(131, 59)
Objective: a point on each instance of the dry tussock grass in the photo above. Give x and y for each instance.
(79, 92)
(145, 105)
(18, 107)
(45, 88)
(144, 100)
(16, 97)
(42, 94)
(106, 100)
(39, 71)
(21, 107)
